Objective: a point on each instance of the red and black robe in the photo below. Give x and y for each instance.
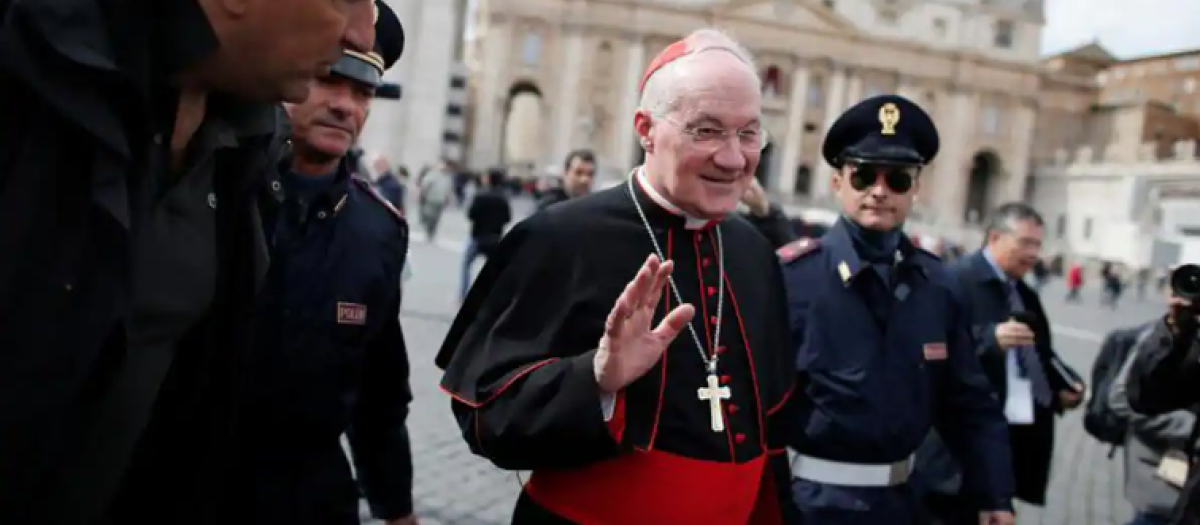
(518, 362)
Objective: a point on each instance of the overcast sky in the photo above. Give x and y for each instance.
(1126, 28)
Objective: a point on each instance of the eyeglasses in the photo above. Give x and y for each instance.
(711, 138)
(898, 177)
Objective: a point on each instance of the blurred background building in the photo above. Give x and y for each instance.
(427, 122)
(1103, 145)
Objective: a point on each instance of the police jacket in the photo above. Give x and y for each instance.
(332, 357)
(883, 360)
(87, 115)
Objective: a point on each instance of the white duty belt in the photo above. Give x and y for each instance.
(830, 472)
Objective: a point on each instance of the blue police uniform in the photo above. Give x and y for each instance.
(330, 355)
(884, 354)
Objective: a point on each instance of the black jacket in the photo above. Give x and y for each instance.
(81, 110)
(1162, 379)
(330, 359)
(489, 213)
(552, 196)
(987, 301)
(775, 226)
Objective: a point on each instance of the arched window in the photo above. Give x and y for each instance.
(816, 95)
(772, 86)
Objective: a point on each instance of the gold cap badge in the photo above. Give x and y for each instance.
(889, 116)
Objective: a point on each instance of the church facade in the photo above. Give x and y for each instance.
(427, 123)
(548, 76)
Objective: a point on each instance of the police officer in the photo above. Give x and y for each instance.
(331, 355)
(884, 352)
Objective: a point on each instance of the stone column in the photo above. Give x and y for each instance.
(793, 141)
(835, 103)
(624, 136)
(1020, 137)
(566, 104)
(953, 167)
(427, 91)
(490, 96)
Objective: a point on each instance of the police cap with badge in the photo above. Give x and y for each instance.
(886, 135)
(368, 67)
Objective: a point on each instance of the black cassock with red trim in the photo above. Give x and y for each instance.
(518, 362)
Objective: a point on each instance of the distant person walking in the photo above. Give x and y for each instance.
(489, 213)
(437, 190)
(1074, 282)
(393, 185)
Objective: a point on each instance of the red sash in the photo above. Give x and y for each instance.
(652, 488)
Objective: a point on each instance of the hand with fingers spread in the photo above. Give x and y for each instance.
(630, 346)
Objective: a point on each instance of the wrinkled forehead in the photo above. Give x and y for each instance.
(718, 86)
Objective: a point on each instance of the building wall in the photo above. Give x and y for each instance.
(1181, 216)
(1116, 210)
(1164, 127)
(410, 131)
(973, 66)
(1064, 115)
(1173, 79)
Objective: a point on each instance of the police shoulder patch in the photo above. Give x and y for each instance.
(370, 190)
(796, 249)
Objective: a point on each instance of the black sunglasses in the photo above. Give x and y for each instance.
(898, 177)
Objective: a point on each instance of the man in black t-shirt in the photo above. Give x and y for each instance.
(579, 172)
(489, 213)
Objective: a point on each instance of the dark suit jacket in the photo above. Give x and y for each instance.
(986, 296)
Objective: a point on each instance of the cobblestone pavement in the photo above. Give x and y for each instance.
(453, 487)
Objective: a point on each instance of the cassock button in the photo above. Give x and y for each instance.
(712, 320)
(704, 262)
(725, 380)
(732, 408)
(711, 290)
(739, 438)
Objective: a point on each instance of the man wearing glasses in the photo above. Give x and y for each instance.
(884, 352)
(630, 346)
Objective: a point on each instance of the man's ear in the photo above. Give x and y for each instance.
(835, 180)
(642, 124)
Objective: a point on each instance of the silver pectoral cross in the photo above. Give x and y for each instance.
(714, 394)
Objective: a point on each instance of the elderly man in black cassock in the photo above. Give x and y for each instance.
(631, 347)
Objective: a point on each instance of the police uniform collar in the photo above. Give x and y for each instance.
(841, 246)
(674, 212)
(334, 196)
